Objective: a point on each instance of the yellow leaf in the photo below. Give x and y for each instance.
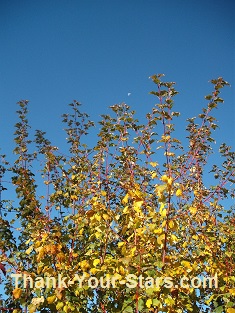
(230, 310)
(153, 164)
(96, 262)
(232, 291)
(193, 210)
(163, 223)
(122, 271)
(138, 193)
(137, 205)
(120, 244)
(178, 193)
(29, 250)
(66, 308)
(59, 305)
(93, 271)
(162, 211)
(210, 299)
(186, 264)
(32, 308)
(51, 299)
(106, 216)
(133, 251)
(154, 174)
(158, 231)
(160, 239)
(103, 193)
(162, 206)
(74, 197)
(126, 209)
(117, 276)
(97, 217)
(125, 199)
(149, 303)
(159, 189)
(170, 181)
(164, 178)
(169, 153)
(84, 265)
(165, 138)
(174, 238)
(98, 235)
(171, 224)
(17, 293)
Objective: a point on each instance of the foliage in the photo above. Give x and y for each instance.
(137, 203)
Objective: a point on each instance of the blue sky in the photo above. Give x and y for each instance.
(52, 52)
(97, 52)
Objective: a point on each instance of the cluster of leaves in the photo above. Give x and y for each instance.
(113, 210)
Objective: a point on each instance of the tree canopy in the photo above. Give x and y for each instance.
(138, 222)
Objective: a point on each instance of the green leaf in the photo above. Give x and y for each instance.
(219, 309)
(128, 309)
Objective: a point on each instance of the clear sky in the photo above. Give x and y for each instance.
(97, 52)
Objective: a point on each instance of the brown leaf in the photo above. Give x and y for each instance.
(2, 268)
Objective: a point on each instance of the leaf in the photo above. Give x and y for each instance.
(160, 239)
(103, 193)
(125, 199)
(193, 210)
(96, 262)
(32, 308)
(17, 293)
(120, 244)
(230, 310)
(171, 224)
(160, 189)
(156, 302)
(66, 308)
(59, 305)
(126, 209)
(128, 309)
(51, 299)
(164, 178)
(149, 303)
(178, 193)
(186, 264)
(219, 309)
(163, 212)
(29, 250)
(137, 206)
(84, 265)
(210, 299)
(174, 238)
(97, 217)
(154, 174)
(2, 268)
(37, 301)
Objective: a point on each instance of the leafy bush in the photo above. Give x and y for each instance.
(120, 228)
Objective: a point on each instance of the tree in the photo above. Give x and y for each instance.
(132, 224)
